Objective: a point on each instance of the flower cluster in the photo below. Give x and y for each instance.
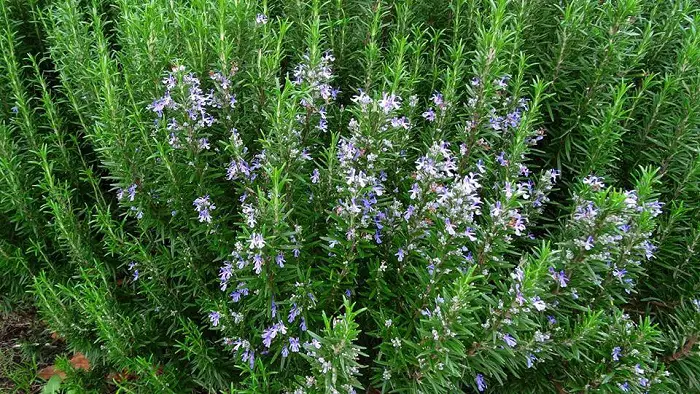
(190, 108)
(204, 206)
(316, 77)
(614, 231)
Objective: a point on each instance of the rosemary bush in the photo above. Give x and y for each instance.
(357, 195)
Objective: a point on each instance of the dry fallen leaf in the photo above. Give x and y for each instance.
(79, 361)
(47, 372)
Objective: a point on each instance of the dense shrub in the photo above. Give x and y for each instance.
(357, 196)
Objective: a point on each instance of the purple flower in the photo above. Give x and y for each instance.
(530, 360)
(256, 241)
(497, 209)
(285, 351)
(616, 352)
(240, 291)
(501, 159)
(438, 100)
(431, 269)
(135, 272)
(204, 144)
(495, 122)
(302, 324)
(214, 318)
(401, 122)
(586, 211)
(293, 313)
(362, 98)
(280, 260)
(624, 386)
(554, 174)
(257, 264)
(389, 102)
(203, 205)
(225, 273)
(158, 105)
(415, 191)
(517, 222)
(509, 340)
(469, 233)
(538, 303)
(649, 249)
(449, 227)
(323, 125)
(513, 119)
(429, 115)
(294, 344)
(519, 274)
(132, 192)
(524, 171)
(236, 296)
(619, 273)
(221, 79)
(559, 277)
(268, 335)
(232, 171)
(261, 19)
(326, 92)
(594, 182)
(654, 207)
(315, 176)
(400, 254)
(502, 82)
(409, 212)
(249, 213)
(589, 244)
(15, 109)
(249, 355)
(480, 382)
(480, 166)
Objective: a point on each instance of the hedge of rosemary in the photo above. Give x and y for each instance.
(356, 195)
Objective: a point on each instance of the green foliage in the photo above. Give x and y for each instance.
(355, 195)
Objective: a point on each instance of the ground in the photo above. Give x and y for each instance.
(26, 347)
